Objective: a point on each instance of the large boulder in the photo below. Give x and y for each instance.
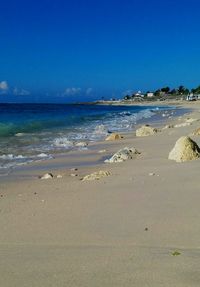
(146, 131)
(123, 155)
(185, 149)
(96, 175)
(113, 137)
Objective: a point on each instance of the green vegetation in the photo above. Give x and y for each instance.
(176, 253)
(163, 93)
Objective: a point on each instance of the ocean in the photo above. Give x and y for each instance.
(35, 132)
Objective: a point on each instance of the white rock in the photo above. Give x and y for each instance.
(59, 176)
(182, 125)
(102, 151)
(81, 144)
(151, 174)
(73, 174)
(123, 155)
(47, 176)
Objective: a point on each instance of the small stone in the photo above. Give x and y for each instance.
(146, 229)
(102, 151)
(47, 176)
(81, 144)
(151, 174)
(168, 127)
(96, 175)
(73, 174)
(191, 120)
(74, 169)
(59, 176)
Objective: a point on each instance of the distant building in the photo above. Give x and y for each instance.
(192, 97)
(139, 94)
(150, 95)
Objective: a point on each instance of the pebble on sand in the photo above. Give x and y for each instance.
(96, 175)
(113, 137)
(46, 176)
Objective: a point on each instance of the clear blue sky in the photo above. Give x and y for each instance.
(56, 50)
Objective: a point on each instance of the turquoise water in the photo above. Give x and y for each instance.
(30, 132)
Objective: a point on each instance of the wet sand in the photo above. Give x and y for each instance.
(121, 230)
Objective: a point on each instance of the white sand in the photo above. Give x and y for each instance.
(65, 232)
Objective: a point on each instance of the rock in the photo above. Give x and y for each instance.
(102, 151)
(123, 155)
(73, 174)
(47, 176)
(182, 125)
(74, 169)
(151, 174)
(81, 144)
(113, 137)
(185, 149)
(191, 120)
(96, 175)
(168, 127)
(196, 132)
(146, 131)
(59, 176)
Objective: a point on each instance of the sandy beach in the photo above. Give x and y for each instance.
(137, 227)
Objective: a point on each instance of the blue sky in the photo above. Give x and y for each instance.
(79, 50)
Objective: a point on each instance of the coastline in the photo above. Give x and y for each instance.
(88, 156)
(118, 231)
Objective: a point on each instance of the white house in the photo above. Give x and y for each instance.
(150, 95)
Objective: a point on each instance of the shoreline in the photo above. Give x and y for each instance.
(84, 158)
(121, 230)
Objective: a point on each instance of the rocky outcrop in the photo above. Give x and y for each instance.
(114, 137)
(146, 131)
(123, 155)
(96, 175)
(185, 149)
